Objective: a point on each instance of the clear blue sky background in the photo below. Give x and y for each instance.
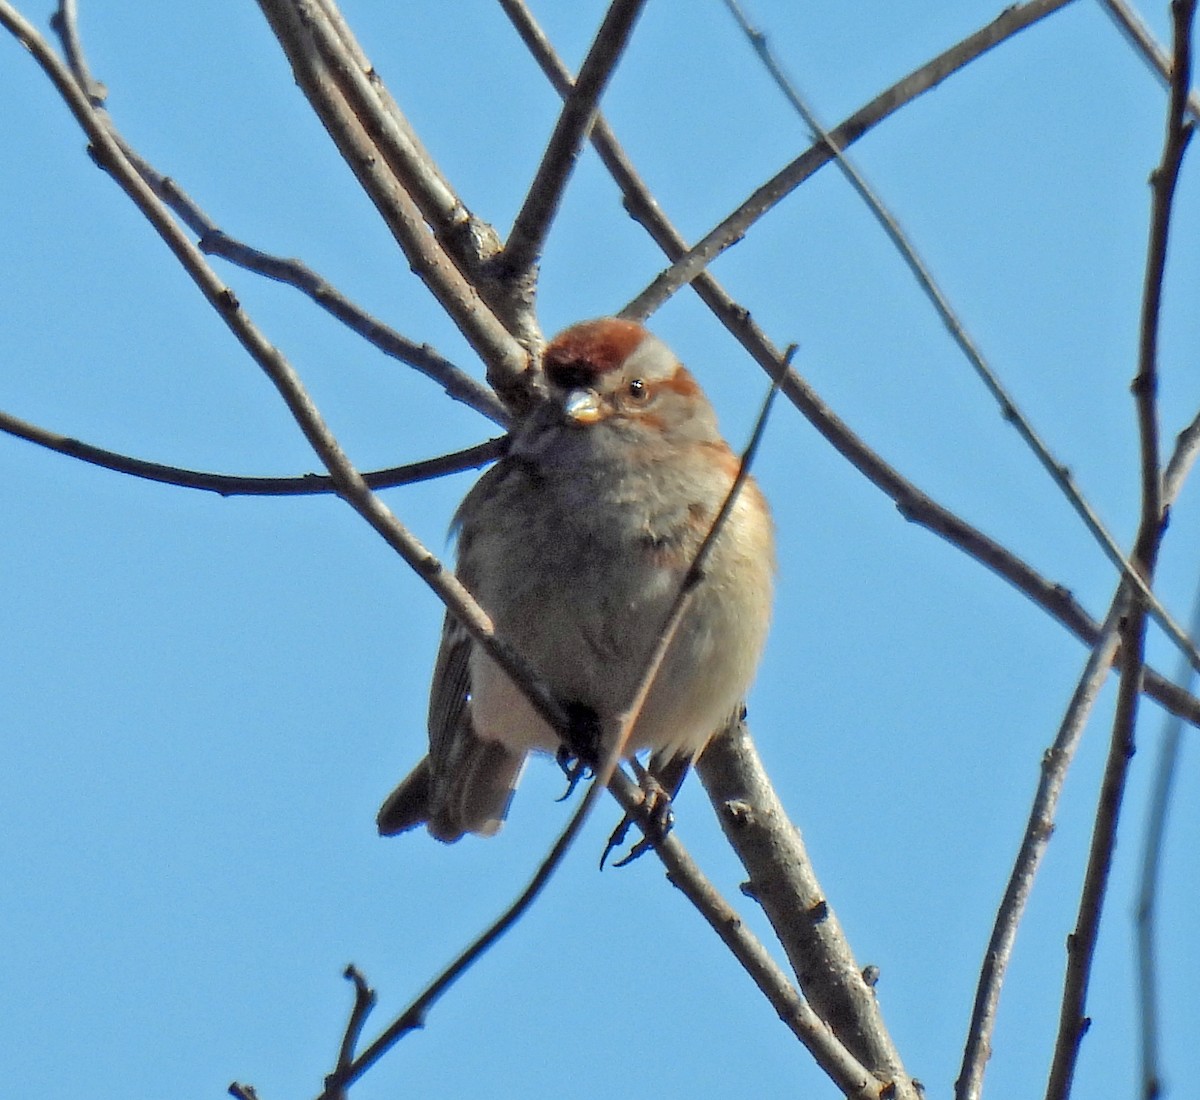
(204, 700)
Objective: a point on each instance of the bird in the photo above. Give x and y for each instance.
(576, 543)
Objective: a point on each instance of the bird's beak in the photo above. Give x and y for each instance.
(583, 407)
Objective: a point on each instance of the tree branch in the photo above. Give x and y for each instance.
(348, 103)
(1038, 830)
(229, 485)
(1150, 881)
(686, 267)
(1138, 35)
(525, 241)
(784, 882)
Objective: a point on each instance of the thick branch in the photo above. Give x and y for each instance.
(327, 84)
(784, 882)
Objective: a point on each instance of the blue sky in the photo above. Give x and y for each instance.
(205, 699)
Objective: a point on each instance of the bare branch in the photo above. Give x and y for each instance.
(364, 1002)
(382, 118)
(1179, 465)
(1040, 827)
(524, 244)
(1152, 849)
(332, 78)
(1081, 943)
(1139, 36)
(229, 485)
(685, 268)
(65, 23)
(784, 882)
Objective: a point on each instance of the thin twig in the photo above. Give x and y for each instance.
(364, 1002)
(696, 259)
(1081, 944)
(524, 244)
(231, 485)
(1038, 830)
(1139, 36)
(1151, 876)
(65, 23)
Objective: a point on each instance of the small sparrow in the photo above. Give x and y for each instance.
(575, 544)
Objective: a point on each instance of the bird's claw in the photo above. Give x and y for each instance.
(575, 768)
(660, 818)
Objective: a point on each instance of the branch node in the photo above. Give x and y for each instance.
(739, 811)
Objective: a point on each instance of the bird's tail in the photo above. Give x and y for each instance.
(471, 793)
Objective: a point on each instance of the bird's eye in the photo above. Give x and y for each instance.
(638, 389)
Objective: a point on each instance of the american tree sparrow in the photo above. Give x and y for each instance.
(575, 544)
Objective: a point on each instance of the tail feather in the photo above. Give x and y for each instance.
(408, 805)
(469, 794)
(474, 797)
